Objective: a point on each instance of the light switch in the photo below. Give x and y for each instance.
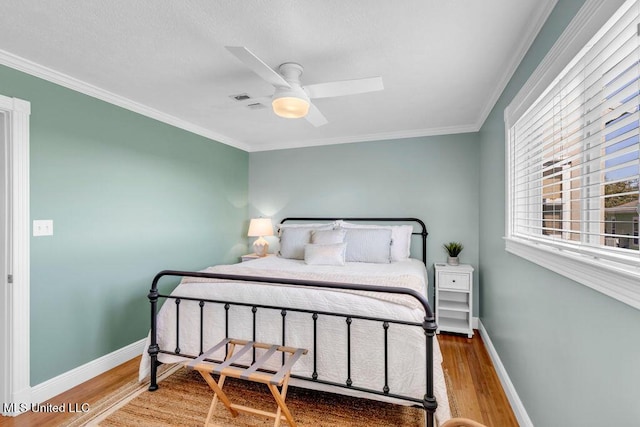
(42, 227)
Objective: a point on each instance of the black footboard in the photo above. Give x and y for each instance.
(428, 402)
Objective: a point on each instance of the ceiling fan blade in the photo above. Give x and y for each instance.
(256, 65)
(315, 117)
(344, 87)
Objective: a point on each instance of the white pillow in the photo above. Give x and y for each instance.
(400, 238)
(328, 237)
(324, 226)
(401, 242)
(368, 245)
(325, 254)
(293, 239)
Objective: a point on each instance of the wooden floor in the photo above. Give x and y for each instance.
(87, 392)
(476, 389)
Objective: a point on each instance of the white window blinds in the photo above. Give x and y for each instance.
(574, 155)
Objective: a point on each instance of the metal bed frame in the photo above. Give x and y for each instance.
(428, 402)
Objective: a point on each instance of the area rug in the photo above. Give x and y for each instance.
(453, 403)
(183, 399)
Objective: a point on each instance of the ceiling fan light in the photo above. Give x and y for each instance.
(290, 107)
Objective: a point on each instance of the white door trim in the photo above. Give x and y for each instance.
(17, 389)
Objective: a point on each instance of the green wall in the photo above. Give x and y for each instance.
(431, 178)
(129, 196)
(572, 353)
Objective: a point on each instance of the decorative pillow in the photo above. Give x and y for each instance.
(325, 254)
(368, 245)
(401, 242)
(293, 239)
(327, 237)
(400, 237)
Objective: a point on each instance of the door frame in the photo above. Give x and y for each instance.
(16, 388)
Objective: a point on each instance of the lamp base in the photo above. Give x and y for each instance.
(261, 247)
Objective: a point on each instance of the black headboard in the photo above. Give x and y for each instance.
(423, 229)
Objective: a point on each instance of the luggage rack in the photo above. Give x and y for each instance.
(253, 373)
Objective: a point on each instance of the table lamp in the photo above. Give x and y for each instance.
(259, 227)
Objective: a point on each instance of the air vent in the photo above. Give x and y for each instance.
(240, 97)
(256, 106)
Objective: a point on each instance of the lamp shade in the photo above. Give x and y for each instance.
(259, 227)
(290, 107)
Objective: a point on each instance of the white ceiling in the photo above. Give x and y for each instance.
(444, 63)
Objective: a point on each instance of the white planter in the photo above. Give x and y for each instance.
(453, 260)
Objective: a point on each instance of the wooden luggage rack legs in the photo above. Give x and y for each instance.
(251, 373)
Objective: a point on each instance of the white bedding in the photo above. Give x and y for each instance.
(406, 343)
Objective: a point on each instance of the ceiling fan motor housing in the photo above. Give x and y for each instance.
(290, 102)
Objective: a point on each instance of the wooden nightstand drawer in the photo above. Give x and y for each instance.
(455, 281)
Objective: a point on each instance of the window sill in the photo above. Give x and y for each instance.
(617, 281)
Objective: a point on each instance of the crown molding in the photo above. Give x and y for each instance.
(530, 35)
(29, 67)
(415, 133)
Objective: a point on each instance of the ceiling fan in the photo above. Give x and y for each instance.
(291, 99)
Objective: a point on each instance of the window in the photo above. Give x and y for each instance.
(573, 161)
(552, 208)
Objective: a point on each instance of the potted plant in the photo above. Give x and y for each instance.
(453, 250)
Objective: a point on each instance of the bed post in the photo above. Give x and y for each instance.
(153, 346)
(429, 402)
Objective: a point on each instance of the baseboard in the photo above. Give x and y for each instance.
(474, 322)
(53, 387)
(516, 404)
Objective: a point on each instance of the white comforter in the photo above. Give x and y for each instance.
(406, 343)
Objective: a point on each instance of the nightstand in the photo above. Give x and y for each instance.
(454, 298)
(249, 257)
